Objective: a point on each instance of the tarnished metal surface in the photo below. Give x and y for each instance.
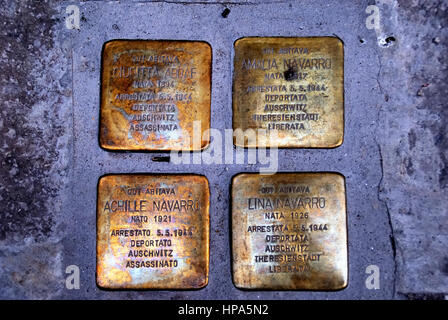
(153, 232)
(152, 92)
(293, 86)
(289, 231)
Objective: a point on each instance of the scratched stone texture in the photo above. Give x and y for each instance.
(394, 155)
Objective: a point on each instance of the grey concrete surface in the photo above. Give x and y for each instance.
(394, 155)
(413, 141)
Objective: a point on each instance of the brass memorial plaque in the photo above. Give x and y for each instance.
(290, 86)
(289, 231)
(153, 232)
(154, 93)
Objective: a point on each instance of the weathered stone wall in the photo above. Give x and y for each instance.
(35, 133)
(413, 141)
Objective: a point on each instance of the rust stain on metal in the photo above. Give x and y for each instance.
(289, 231)
(153, 232)
(153, 92)
(290, 86)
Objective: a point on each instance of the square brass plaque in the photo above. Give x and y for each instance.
(289, 231)
(153, 93)
(153, 232)
(292, 87)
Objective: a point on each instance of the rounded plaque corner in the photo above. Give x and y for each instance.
(339, 142)
(204, 284)
(109, 42)
(237, 176)
(103, 143)
(107, 45)
(103, 178)
(338, 40)
(101, 284)
(339, 175)
(108, 148)
(239, 287)
(343, 285)
(236, 283)
(237, 143)
(204, 180)
(206, 44)
(104, 146)
(204, 145)
(237, 41)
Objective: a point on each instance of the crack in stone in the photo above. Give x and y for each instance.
(380, 67)
(418, 270)
(383, 201)
(389, 220)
